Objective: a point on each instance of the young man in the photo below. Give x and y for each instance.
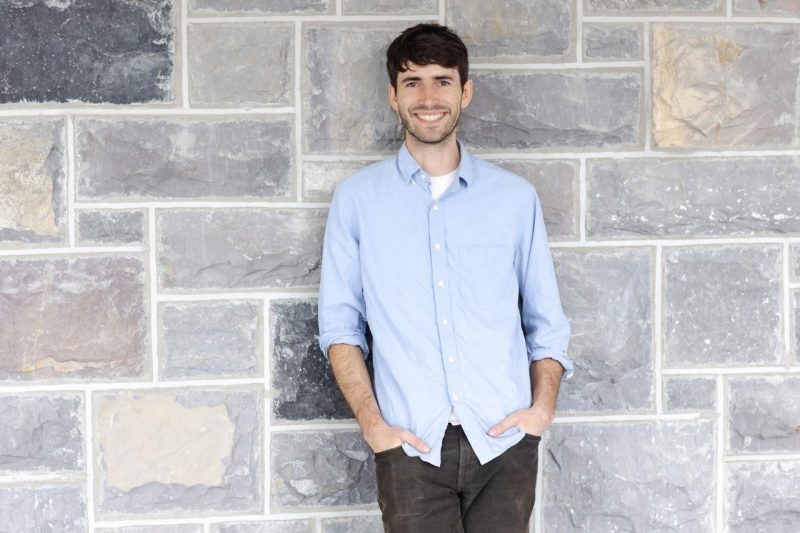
(446, 257)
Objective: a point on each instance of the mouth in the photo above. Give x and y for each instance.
(430, 116)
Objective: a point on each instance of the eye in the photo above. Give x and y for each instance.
(444, 82)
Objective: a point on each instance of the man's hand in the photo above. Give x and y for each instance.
(533, 420)
(382, 437)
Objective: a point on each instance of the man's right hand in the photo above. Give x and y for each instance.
(384, 437)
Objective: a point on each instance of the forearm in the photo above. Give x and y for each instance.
(351, 375)
(545, 380)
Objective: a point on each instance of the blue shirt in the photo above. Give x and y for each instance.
(459, 293)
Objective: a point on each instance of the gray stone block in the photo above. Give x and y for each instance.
(206, 339)
(722, 306)
(763, 497)
(530, 110)
(116, 51)
(110, 227)
(390, 7)
(303, 386)
(556, 183)
(640, 476)
(692, 197)
(769, 8)
(607, 296)
(176, 157)
(361, 524)
(43, 509)
(313, 469)
(612, 42)
(672, 7)
(74, 318)
(41, 433)
(763, 414)
(514, 30)
(164, 452)
(276, 526)
(241, 64)
(32, 180)
(265, 7)
(321, 177)
(344, 83)
(725, 85)
(182, 528)
(240, 248)
(687, 393)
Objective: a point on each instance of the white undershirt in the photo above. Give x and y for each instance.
(439, 184)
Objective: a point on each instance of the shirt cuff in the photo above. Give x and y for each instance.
(354, 338)
(565, 361)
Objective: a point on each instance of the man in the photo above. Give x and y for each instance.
(446, 257)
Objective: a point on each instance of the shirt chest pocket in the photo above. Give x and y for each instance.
(487, 274)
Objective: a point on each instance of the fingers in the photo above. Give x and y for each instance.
(504, 425)
(415, 441)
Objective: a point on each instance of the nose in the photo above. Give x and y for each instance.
(427, 96)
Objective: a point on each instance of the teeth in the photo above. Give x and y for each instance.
(431, 118)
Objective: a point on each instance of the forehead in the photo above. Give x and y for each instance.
(426, 71)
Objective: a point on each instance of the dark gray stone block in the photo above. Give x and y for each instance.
(686, 393)
(722, 306)
(321, 469)
(607, 296)
(763, 414)
(530, 110)
(110, 227)
(763, 497)
(302, 381)
(640, 476)
(176, 157)
(115, 51)
(43, 509)
(240, 248)
(615, 42)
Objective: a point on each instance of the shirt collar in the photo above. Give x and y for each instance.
(408, 166)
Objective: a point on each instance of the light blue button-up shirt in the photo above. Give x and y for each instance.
(459, 294)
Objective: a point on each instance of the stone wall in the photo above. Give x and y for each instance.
(165, 173)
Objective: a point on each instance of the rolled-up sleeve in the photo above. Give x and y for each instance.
(342, 313)
(543, 321)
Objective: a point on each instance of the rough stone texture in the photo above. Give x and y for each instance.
(41, 433)
(240, 248)
(159, 452)
(615, 42)
(671, 7)
(638, 476)
(202, 340)
(76, 318)
(556, 183)
(683, 393)
(725, 85)
(265, 7)
(794, 260)
(361, 524)
(43, 509)
(164, 158)
(32, 179)
(241, 64)
(278, 526)
(764, 414)
(607, 295)
(769, 8)
(302, 381)
(513, 30)
(763, 497)
(722, 306)
(183, 528)
(110, 227)
(390, 7)
(321, 177)
(340, 61)
(692, 197)
(527, 110)
(330, 468)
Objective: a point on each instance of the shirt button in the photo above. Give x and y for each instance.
(441, 283)
(455, 397)
(437, 245)
(444, 321)
(449, 359)
(435, 207)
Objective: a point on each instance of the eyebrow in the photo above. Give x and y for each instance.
(418, 78)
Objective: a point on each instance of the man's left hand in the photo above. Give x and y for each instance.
(534, 420)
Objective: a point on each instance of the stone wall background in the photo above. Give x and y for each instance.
(165, 171)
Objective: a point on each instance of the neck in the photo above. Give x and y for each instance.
(435, 159)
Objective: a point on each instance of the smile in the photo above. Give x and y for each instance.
(430, 117)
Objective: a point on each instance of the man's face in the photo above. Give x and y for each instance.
(428, 100)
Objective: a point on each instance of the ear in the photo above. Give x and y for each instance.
(466, 94)
(393, 98)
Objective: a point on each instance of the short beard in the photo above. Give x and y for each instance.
(441, 139)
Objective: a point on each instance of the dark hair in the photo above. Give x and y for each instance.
(427, 44)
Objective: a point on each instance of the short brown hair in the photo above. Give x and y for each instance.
(427, 44)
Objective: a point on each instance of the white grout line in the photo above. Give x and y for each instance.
(787, 306)
(207, 527)
(583, 204)
(578, 30)
(314, 426)
(658, 337)
(202, 204)
(152, 245)
(729, 9)
(727, 371)
(689, 18)
(559, 66)
(442, 12)
(71, 252)
(100, 110)
(70, 185)
(298, 118)
(338, 8)
(762, 457)
(129, 385)
(317, 525)
(573, 419)
(311, 18)
(720, 466)
(623, 243)
(150, 522)
(213, 296)
(267, 435)
(647, 113)
(88, 437)
(184, 29)
(610, 154)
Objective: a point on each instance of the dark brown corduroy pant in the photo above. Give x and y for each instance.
(461, 496)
